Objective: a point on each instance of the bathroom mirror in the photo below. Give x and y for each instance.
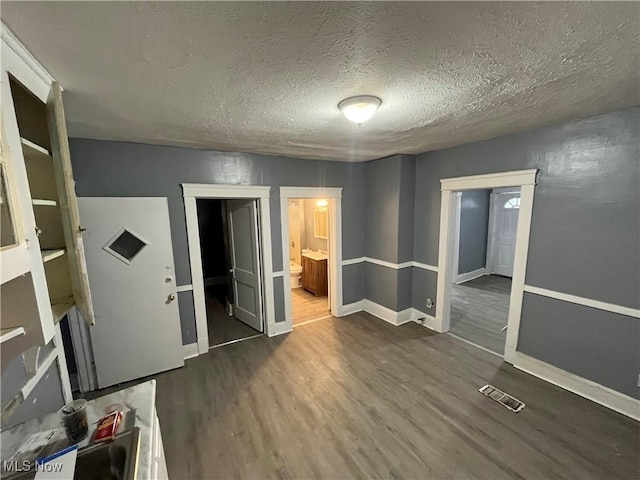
(321, 223)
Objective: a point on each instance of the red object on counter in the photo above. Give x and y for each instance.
(108, 426)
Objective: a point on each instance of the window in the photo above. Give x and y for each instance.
(513, 203)
(125, 246)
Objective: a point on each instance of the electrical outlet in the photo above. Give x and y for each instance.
(639, 380)
(429, 303)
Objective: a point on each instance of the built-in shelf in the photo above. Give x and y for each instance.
(31, 149)
(44, 203)
(7, 334)
(59, 310)
(15, 262)
(40, 372)
(48, 255)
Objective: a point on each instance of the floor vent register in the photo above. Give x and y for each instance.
(499, 396)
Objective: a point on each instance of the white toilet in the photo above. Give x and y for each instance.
(296, 275)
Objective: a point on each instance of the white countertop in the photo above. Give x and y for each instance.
(141, 397)
(315, 255)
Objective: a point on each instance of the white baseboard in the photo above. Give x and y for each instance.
(279, 328)
(405, 316)
(391, 316)
(465, 277)
(396, 318)
(580, 386)
(190, 350)
(386, 314)
(352, 308)
(428, 321)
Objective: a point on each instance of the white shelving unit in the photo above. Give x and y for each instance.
(7, 334)
(59, 310)
(33, 150)
(36, 202)
(43, 271)
(48, 255)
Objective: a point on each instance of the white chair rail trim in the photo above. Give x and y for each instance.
(384, 263)
(587, 302)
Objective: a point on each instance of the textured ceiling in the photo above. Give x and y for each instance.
(266, 77)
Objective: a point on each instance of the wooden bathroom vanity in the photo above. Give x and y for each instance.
(314, 275)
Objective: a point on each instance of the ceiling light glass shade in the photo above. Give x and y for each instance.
(359, 109)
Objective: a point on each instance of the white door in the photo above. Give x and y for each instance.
(245, 262)
(130, 266)
(505, 207)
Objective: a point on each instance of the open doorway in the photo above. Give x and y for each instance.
(225, 322)
(484, 252)
(312, 285)
(309, 258)
(520, 227)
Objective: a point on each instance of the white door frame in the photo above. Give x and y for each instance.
(334, 195)
(526, 180)
(191, 192)
(455, 262)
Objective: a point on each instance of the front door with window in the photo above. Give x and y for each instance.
(131, 274)
(503, 227)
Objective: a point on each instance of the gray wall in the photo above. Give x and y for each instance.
(353, 279)
(389, 209)
(474, 225)
(382, 198)
(113, 169)
(406, 207)
(564, 334)
(584, 240)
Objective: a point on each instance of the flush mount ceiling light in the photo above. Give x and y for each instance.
(359, 109)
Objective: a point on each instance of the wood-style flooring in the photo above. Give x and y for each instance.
(221, 327)
(479, 311)
(306, 306)
(356, 397)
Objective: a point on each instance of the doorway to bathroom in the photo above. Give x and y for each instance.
(311, 252)
(309, 258)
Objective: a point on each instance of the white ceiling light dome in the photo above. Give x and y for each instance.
(359, 109)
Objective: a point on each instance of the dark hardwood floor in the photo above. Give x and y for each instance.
(356, 397)
(479, 311)
(221, 327)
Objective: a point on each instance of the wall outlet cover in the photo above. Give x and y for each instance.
(429, 303)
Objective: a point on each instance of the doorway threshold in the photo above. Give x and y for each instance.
(231, 342)
(312, 320)
(475, 345)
